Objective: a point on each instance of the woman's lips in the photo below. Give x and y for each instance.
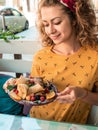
(54, 37)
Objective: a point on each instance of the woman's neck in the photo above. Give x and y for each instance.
(66, 49)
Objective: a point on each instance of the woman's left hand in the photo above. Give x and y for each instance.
(70, 94)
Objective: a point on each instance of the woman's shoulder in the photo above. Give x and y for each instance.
(43, 52)
(93, 49)
(90, 51)
(96, 47)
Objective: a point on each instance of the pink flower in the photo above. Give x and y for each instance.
(69, 3)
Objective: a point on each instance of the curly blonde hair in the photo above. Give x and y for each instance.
(83, 17)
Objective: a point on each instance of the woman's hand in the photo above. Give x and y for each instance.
(70, 94)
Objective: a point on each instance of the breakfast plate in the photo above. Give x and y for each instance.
(33, 91)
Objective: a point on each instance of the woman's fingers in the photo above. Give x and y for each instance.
(65, 91)
(66, 98)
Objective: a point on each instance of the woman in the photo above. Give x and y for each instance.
(69, 59)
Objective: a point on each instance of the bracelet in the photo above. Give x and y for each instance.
(86, 94)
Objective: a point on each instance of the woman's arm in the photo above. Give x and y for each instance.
(71, 93)
(92, 97)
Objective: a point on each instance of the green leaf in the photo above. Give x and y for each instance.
(10, 87)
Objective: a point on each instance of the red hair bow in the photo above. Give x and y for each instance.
(69, 3)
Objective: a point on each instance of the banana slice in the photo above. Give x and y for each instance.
(50, 95)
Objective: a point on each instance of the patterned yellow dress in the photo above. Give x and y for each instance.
(79, 69)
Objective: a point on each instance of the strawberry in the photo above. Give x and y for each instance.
(32, 98)
(32, 81)
(16, 91)
(42, 98)
(46, 90)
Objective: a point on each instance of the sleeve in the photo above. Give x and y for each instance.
(35, 69)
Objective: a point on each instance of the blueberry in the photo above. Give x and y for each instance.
(37, 97)
(50, 87)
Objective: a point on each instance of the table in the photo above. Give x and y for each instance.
(12, 122)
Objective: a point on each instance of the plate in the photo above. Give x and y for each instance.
(24, 91)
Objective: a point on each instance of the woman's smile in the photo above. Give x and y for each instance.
(54, 37)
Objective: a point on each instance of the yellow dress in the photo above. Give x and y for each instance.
(79, 69)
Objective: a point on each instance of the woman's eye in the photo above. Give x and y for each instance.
(45, 25)
(57, 23)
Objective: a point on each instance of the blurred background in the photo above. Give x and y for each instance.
(29, 7)
(26, 7)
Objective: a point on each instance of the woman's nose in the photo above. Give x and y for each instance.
(51, 29)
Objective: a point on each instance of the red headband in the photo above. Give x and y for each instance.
(69, 3)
